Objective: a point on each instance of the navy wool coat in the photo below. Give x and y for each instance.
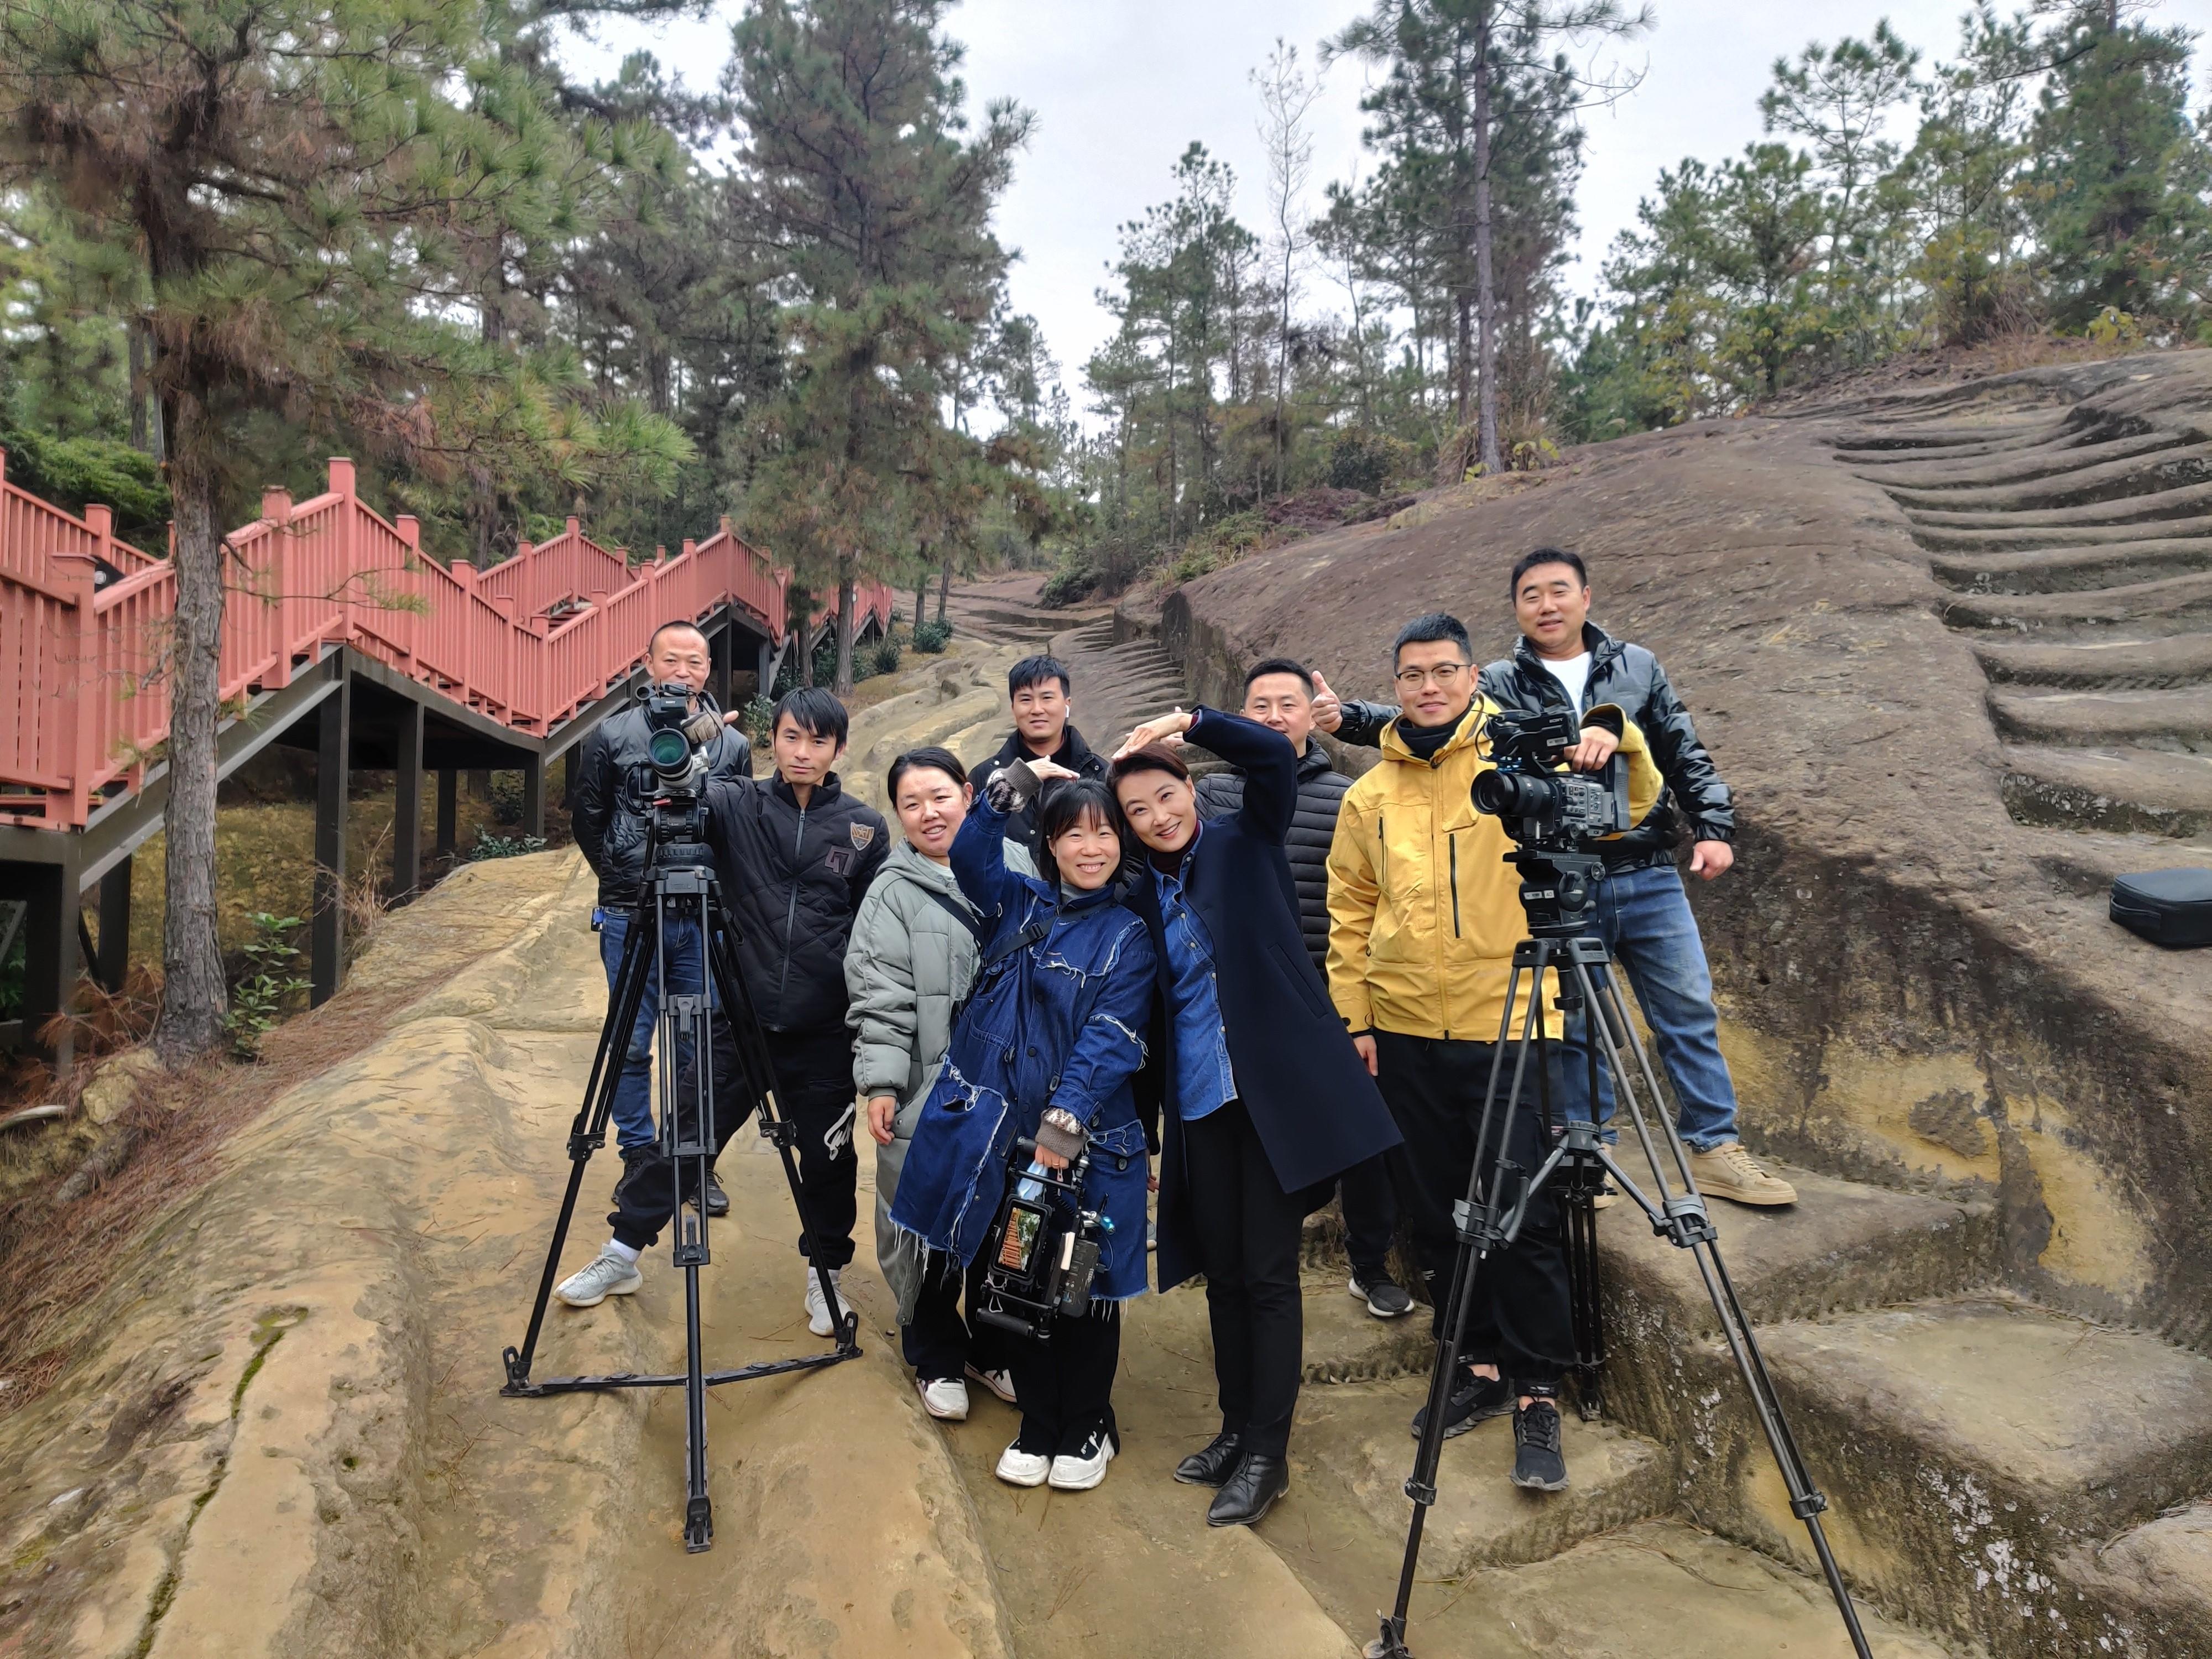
(1311, 1102)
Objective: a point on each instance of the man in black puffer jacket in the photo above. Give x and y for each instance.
(1564, 661)
(795, 856)
(1284, 696)
(614, 793)
(1037, 690)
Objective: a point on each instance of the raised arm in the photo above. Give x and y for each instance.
(979, 865)
(1363, 722)
(1269, 763)
(1111, 1047)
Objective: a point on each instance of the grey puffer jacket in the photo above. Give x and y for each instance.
(907, 971)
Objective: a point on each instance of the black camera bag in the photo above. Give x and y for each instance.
(2173, 907)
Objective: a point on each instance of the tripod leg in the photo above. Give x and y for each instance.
(1421, 1485)
(1806, 1501)
(1583, 1295)
(698, 1507)
(759, 1067)
(586, 1135)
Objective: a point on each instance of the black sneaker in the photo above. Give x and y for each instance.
(1384, 1296)
(1537, 1462)
(1475, 1400)
(718, 1201)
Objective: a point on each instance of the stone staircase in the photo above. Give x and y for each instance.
(2079, 540)
(2003, 1478)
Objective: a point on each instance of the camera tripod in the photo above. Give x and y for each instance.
(1558, 891)
(680, 889)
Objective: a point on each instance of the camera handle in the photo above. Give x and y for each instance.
(1486, 1222)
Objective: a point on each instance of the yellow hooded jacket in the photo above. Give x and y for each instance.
(1423, 911)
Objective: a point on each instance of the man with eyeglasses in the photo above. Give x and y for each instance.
(1424, 915)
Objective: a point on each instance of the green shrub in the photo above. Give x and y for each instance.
(1367, 461)
(885, 658)
(758, 713)
(490, 846)
(74, 472)
(257, 1001)
(1076, 581)
(507, 797)
(932, 637)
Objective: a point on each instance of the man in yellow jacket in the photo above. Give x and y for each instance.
(1423, 915)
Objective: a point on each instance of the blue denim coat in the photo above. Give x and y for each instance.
(1017, 1049)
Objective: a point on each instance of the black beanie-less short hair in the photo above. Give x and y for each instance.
(814, 711)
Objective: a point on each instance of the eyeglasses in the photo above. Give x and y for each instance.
(1442, 675)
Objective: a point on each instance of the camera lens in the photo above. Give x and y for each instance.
(668, 751)
(1512, 794)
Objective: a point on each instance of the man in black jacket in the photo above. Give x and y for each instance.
(613, 796)
(1037, 690)
(1563, 660)
(1286, 697)
(795, 854)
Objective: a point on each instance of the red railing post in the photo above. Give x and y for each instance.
(261, 606)
(77, 646)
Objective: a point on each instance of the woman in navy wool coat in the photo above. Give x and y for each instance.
(1057, 1018)
(1264, 1098)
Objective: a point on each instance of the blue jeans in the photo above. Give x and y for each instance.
(633, 1105)
(1643, 916)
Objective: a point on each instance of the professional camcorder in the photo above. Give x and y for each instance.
(1539, 805)
(1043, 1251)
(675, 739)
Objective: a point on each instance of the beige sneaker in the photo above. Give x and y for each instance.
(1728, 1171)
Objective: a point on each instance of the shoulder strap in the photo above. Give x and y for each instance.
(959, 912)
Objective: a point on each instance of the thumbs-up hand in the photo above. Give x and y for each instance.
(1328, 707)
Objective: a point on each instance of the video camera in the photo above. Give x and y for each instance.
(1557, 817)
(679, 759)
(1044, 1247)
(1539, 805)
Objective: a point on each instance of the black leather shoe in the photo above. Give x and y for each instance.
(1213, 1463)
(1257, 1484)
(718, 1201)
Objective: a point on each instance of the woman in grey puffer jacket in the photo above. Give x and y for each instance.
(912, 958)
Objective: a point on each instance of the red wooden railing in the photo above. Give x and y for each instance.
(527, 643)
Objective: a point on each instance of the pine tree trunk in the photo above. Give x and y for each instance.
(809, 637)
(195, 1003)
(1485, 299)
(920, 595)
(845, 619)
(943, 588)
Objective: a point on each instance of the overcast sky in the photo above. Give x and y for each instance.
(1120, 86)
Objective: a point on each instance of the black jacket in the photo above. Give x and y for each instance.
(1631, 677)
(614, 786)
(1312, 1103)
(1073, 753)
(1313, 826)
(792, 878)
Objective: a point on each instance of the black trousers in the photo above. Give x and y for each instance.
(1520, 1319)
(1065, 1386)
(1249, 1233)
(1371, 1216)
(814, 1081)
(937, 1342)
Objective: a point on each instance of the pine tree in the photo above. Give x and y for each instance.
(873, 204)
(301, 188)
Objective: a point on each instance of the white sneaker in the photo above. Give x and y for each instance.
(999, 1382)
(945, 1398)
(1019, 1469)
(606, 1274)
(1087, 1468)
(817, 1307)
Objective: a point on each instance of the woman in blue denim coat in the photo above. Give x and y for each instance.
(1057, 1020)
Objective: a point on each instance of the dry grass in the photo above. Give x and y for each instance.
(56, 1258)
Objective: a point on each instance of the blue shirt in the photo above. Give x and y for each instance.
(1203, 1081)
